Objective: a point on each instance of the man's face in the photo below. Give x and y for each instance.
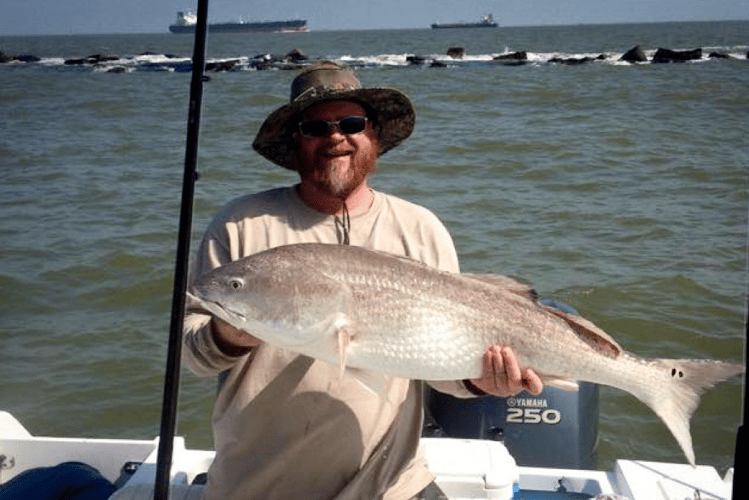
(336, 163)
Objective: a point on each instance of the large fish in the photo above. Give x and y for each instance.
(368, 310)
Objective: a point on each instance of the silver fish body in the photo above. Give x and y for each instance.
(369, 310)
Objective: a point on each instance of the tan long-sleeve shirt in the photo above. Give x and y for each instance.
(286, 426)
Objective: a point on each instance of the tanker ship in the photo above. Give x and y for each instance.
(486, 22)
(186, 22)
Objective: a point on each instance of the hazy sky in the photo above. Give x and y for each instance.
(31, 17)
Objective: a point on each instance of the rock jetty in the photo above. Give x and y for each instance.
(455, 56)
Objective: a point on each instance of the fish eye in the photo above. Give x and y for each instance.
(236, 283)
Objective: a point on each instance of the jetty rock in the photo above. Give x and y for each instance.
(293, 60)
(513, 58)
(418, 60)
(414, 60)
(219, 66)
(667, 55)
(297, 55)
(6, 58)
(573, 61)
(456, 52)
(92, 59)
(634, 55)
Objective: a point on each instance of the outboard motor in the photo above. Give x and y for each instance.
(554, 429)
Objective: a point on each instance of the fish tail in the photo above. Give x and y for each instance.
(686, 380)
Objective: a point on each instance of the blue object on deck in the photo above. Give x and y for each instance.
(67, 481)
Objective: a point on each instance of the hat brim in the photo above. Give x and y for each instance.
(395, 121)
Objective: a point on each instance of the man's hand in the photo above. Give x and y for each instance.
(502, 375)
(231, 341)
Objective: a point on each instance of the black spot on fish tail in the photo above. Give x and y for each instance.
(700, 374)
(676, 400)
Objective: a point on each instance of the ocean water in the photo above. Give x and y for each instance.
(620, 189)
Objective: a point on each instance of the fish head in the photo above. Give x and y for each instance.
(282, 302)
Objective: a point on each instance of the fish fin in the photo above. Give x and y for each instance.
(374, 381)
(506, 283)
(564, 384)
(588, 332)
(344, 339)
(676, 400)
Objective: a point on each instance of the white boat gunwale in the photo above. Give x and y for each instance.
(463, 468)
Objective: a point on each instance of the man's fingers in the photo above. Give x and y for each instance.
(511, 369)
(503, 376)
(495, 363)
(532, 382)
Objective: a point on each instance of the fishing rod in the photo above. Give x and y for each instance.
(171, 377)
(741, 453)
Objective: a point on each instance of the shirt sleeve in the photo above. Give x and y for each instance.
(199, 351)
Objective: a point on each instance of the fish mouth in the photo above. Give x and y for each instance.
(224, 313)
(217, 309)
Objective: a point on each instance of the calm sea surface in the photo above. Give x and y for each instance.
(619, 189)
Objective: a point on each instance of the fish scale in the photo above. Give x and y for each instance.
(369, 310)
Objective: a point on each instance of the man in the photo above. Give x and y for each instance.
(286, 426)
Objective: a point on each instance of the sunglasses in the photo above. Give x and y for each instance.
(320, 128)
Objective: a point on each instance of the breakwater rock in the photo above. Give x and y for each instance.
(572, 61)
(24, 58)
(634, 55)
(454, 57)
(513, 58)
(668, 56)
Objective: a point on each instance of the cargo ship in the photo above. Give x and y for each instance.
(186, 22)
(486, 22)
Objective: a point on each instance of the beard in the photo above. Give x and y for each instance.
(336, 178)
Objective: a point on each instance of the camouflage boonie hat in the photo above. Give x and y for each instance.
(329, 81)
